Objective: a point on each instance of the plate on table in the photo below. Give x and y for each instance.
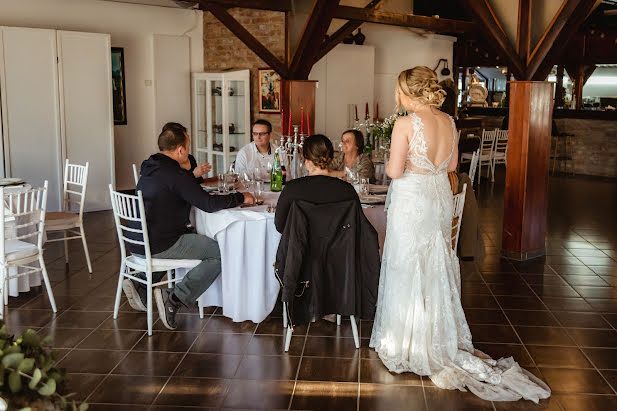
(377, 189)
(373, 199)
(209, 189)
(11, 181)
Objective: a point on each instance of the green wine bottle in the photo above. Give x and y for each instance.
(276, 177)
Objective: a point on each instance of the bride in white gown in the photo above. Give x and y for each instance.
(420, 325)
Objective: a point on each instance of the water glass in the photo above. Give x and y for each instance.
(258, 192)
(222, 184)
(231, 180)
(364, 186)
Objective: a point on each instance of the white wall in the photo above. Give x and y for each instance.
(132, 27)
(396, 49)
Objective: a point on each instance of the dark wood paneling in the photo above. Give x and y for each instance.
(298, 95)
(523, 35)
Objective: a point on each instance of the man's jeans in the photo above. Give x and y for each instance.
(200, 278)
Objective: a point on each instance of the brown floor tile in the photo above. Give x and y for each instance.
(555, 291)
(611, 377)
(226, 325)
(585, 280)
(603, 305)
(549, 404)
(566, 357)
(330, 347)
(274, 345)
(29, 318)
(65, 337)
(438, 399)
(597, 261)
(310, 395)
(516, 351)
(544, 336)
(133, 320)
(545, 280)
(586, 320)
(525, 317)
(42, 302)
(91, 361)
(82, 384)
(117, 407)
(259, 394)
(521, 303)
(604, 269)
(208, 366)
(578, 402)
(602, 358)
(572, 269)
(566, 304)
(519, 288)
(569, 381)
(365, 329)
(474, 288)
(111, 340)
(254, 367)
(173, 341)
(493, 334)
(485, 316)
(221, 343)
(587, 252)
(194, 392)
(479, 301)
(611, 318)
(274, 326)
(155, 364)
(329, 369)
(135, 389)
(79, 319)
(594, 338)
(391, 397)
(96, 304)
(323, 328)
(186, 322)
(373, 371)
(596, 292)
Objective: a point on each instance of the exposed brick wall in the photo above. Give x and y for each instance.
(223, 50)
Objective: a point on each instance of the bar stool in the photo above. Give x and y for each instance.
(561, 151)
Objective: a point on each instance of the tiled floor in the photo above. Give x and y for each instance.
(557, 316)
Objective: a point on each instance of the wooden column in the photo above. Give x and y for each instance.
(525, 199)
(298, 95)
(559, 90)
(580, 82)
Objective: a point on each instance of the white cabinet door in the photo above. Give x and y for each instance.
(30, 109)
(86, 104)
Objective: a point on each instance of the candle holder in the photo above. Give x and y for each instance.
(291, 149)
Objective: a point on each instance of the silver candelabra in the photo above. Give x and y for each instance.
(290, 148)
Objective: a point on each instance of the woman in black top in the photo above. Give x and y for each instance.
(318, 187)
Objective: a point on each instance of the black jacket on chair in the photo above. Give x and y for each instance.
(328, 261)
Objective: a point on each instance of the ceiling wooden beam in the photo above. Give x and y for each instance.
(490, 24)
(273, 5)
(344, 31)
(554, 40)
(523, 35)
(312, 37)
(246, 37)
(404, 20)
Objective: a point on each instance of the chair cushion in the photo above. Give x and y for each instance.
(59, 220)
(160, 264)
(16, 250)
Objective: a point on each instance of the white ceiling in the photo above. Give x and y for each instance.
(162, 3)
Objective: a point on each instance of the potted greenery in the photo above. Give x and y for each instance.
(29, 379)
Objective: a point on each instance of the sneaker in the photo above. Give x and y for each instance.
(135, 294)
(167, 307)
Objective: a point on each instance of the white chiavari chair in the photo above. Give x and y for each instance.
(459, 204)
(500, 149)
(135, 174)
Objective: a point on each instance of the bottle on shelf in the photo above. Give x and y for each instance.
(276, 177)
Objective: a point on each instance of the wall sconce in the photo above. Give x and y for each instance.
(445, 71)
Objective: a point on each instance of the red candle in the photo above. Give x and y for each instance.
(377, 111)
(289, 129)
(356, 107)
(366, 112)
(302, 120)
(308, 123)
(282, 122)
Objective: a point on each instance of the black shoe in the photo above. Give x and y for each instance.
(167, 307)
(136, 294)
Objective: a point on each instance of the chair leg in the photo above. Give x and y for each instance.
(492, 166)
(288, 338)
(66, 248)
(119, 290)
(83, 240)
(200, 305)
(169, 277)
(6, 294)
(3, 290)
(284, 315)
(50, 293)
(338, 319)
(354, 329)
(149, 302)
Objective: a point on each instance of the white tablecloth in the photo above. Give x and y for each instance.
(247, 288)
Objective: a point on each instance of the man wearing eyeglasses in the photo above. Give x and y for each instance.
(258, 152)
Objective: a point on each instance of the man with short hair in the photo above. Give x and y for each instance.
(191, 164)
(258, 152)
(169, 191)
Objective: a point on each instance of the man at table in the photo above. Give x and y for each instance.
(169, 192)
(258, 152)
(190, 164)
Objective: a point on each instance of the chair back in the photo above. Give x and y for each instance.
(75, 181)
(127, 208)
(501, 142)
(488, 141)
(135, 174)
(23, 217)
(473, 165)
(459, 204)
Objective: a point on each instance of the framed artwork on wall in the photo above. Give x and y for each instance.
(119, 90)
(269, 91)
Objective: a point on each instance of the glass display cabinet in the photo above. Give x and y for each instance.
(221, 117)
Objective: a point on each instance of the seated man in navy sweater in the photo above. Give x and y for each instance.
(169, 191)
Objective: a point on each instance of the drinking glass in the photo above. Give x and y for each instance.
(222, 184)
(231, 180)
(257, 174)
(258, 192)
(364, 186)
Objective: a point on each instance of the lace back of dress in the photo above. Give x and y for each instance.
(421, 147)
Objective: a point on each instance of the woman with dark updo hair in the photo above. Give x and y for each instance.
(318, 187)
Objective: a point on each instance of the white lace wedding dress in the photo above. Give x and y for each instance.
(420, 325)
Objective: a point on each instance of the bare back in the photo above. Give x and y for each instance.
(432, 142)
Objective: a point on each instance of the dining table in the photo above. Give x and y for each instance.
(247, 288)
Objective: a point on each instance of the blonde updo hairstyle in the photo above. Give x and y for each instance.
(319, 149)
(420, 84)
